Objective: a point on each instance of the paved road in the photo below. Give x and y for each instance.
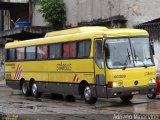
(15, 105)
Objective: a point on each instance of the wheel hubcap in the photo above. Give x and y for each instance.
(24, 88)
(34, 89)
(87, 93)
(149, 95)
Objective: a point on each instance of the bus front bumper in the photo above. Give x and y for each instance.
(118, 92)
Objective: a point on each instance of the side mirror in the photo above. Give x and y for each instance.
(107, 50)
(152, 50)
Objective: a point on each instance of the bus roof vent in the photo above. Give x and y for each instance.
(76, 30)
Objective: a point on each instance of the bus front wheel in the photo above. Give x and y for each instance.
(25, 89)
(35, 91)
(89, 99)
(151, 96)
(126, 99)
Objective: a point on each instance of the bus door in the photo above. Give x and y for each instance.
(100, 79)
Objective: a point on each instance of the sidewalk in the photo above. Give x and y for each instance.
(2, 83)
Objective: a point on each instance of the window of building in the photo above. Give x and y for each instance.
(42, 52)
(20, 53)
(55, 51)
(31, 53)
(84, 48)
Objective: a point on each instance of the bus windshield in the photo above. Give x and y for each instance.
(129, 52)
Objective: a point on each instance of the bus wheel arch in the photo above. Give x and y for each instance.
(31, 82)
(81, 87)
(34, 88)
(21, 82)
(86, 92)
(24, 88)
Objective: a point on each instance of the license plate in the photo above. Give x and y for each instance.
(135, 93)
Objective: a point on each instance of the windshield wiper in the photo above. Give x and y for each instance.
(136, 56)
(127, 58)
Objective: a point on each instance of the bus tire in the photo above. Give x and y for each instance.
(34, 90)
(151, 96)
(25, 89)
(126, 99)
(87, 93)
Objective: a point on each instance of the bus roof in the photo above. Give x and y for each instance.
(110, 32)
(78, 34)
(76, 30)
(125, 32)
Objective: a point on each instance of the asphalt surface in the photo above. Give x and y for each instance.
(14, 106)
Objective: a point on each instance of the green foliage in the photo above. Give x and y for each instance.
(54, 12)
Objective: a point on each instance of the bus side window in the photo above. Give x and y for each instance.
(73, 49)
(55, 51)
(42, 52)
(31, 53)
(10, 55)
(99, 54)
(20, 53)
(84, 48)
(6, 54)
(69, 50)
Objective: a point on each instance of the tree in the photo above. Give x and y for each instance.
(54, 12)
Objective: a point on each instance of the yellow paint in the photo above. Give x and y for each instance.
(131, 75)
(85, 69)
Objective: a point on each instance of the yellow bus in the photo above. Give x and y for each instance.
(93, 62)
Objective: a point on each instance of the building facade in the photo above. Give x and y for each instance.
(134, 11)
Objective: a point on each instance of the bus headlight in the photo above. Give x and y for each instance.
(152, 81)
(117, 84)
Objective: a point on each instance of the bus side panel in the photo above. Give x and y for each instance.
(59, 76)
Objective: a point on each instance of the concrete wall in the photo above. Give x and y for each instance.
(6, 17)
(135, 11)
(140, 11)
(37, 19)
(1, 21)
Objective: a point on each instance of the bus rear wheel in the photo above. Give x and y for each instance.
(126, 99)
(87, 93)
(34, 90)
(25, 89)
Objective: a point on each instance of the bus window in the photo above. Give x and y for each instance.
(20, 53)
(141, 51)
(73, 49)
(69, 50)
(99, 54)
(84, 48)
(30, 53)
(42, 52)
(55, 51)
(65, 50)
(10, 54)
